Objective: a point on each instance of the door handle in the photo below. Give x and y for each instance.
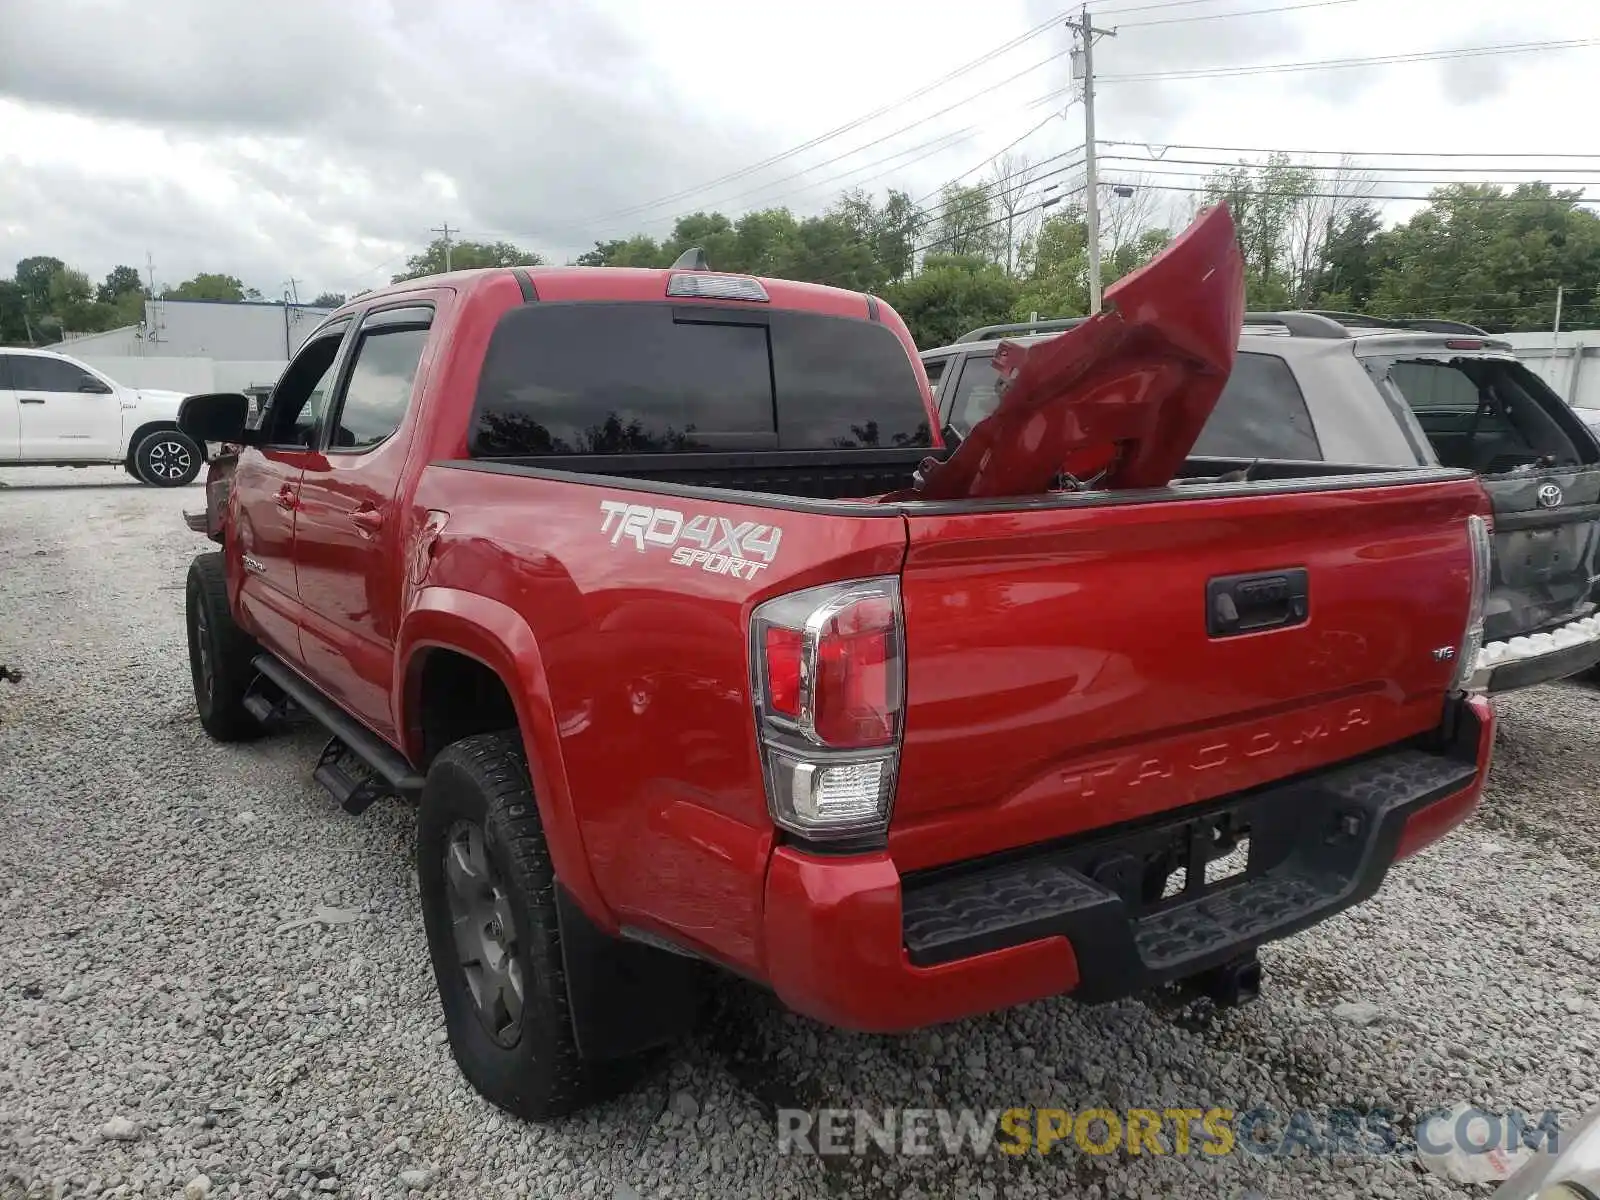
(367, 520)
(286, 498)
(30, 400)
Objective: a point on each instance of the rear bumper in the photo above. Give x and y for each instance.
(1524, 661)
(851, 942)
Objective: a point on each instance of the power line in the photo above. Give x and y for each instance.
(944, 79)
(1164, 187)
(1334, 64)
(1012, 145)
(897, 132)
(1022, 212)
(1149, 147)
(1248, 12)
(1397, 167)
(1222, 180)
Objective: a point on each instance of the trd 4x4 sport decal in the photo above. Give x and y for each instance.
(713, 544)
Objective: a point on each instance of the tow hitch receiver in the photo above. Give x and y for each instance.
(1231, 983)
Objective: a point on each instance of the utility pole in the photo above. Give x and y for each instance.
(292, 291)
(1084, 35)
(1555, 341)
(445, 232)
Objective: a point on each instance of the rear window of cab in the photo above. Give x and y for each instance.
(659, 378)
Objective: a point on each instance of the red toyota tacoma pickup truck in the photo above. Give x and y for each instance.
(624, 576)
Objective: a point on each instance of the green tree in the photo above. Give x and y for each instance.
(207, 287)
(1352, 260)
(950, 295)
(466, 256)
(120, 281)
(637, 251)
(328, 300)
(15, 328)
(1494, 257)
(964, 223)
(1057, 284)
(33, 277)
(1264, 201)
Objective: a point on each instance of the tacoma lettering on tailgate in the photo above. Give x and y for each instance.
(713, 544)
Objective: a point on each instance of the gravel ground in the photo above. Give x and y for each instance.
(207, 968)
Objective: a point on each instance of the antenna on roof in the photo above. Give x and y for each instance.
(692, 259)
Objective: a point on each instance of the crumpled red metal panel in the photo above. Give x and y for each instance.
(1126, 393)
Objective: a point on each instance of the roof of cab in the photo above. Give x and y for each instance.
(569, 283)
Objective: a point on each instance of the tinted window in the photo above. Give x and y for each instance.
(32, 373)
(379, 391)
(935, 371)
(975, 397)
(622, 379)
(1260, 414)
(5, 372)
(652, 378)
(844, 384)
(1428, 385)
(301, 395)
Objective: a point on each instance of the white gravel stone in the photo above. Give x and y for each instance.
(1359, 1012)
(120, 1129)
(197, 1188)
(184, 934)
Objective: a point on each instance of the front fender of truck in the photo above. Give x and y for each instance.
(496, 636)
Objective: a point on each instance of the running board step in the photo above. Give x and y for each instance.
(266, 701)
(394, 775)
(348, 780)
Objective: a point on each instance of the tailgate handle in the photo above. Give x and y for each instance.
(1249, 603)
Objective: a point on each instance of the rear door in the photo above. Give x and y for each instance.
(10, 414)
(1540, 466)
(66, 413)
(348, 527)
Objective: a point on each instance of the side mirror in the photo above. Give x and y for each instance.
(95, 386)
(217, 417)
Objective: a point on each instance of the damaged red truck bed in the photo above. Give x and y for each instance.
(657, 591)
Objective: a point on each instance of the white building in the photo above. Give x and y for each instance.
(200, 345)
(1567, 362)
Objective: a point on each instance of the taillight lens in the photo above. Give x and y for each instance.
(1472, 635)
(782, 648)
(829, 679)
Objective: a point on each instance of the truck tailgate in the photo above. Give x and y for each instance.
(1085, 662)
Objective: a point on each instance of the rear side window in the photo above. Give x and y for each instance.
(604, 378)
(975, 396)
(1486, 414)
(1260, 414)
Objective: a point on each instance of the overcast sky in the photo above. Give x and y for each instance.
(320, 139)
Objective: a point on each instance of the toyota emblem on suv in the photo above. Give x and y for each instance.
(1549, 496)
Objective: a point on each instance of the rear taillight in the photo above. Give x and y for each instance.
(828, 672)
(1472, 636)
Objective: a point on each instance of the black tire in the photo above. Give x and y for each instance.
(167, 458)
(534, 1070)
(220, 654)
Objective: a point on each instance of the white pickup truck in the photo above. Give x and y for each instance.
(57, 411)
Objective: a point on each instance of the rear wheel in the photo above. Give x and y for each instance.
(489, 904)
(220, 654)
(167, 458)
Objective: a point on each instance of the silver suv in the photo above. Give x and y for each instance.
(1354, 391)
